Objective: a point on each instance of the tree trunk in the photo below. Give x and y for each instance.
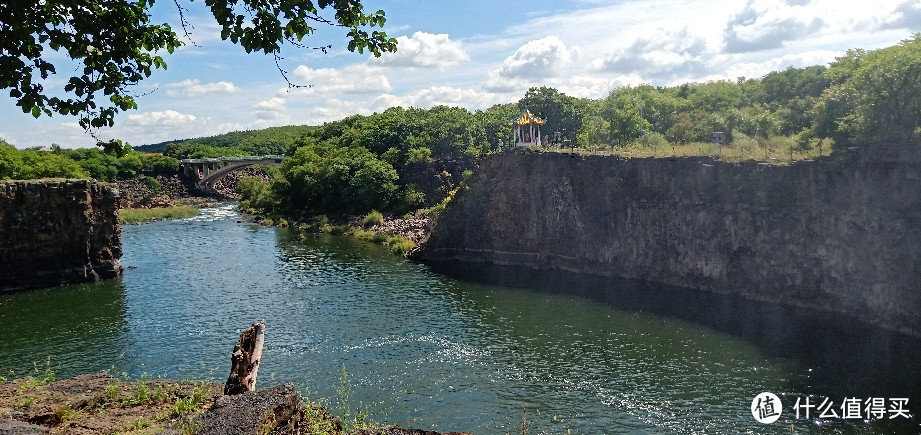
(244, 363)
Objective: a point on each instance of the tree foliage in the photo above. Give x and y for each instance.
(876, 95)
(81, 163)
(322, 179)
(115, 46)
(560, 110)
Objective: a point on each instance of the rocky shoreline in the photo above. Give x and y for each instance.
(161, 191)
(167, 191)
(103, 404)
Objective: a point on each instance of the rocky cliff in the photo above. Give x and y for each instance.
(839, 234)
(57, 231)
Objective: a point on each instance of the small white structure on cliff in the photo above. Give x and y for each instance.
(525, 133)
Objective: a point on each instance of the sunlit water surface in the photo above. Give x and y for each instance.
(420, 349)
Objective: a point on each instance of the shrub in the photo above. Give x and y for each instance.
(373, 218)
(402, 247)
(652, 139)
(421, 154)
(153, 184)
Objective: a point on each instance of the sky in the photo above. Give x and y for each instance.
(473, 54)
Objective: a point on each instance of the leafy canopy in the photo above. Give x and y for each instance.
(115, 46)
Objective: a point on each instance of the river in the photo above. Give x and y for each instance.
(427, 349)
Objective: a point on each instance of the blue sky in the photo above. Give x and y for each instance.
(475, 54)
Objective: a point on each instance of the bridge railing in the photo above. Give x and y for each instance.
(233, 159)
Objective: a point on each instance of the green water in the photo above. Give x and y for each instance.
(425, 349)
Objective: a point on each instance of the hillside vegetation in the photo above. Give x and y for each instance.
(359, 163)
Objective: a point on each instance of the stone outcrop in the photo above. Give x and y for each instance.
(143, 192)
(840, 234)
(56, 232)
(273, 409)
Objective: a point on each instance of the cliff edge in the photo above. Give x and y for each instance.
(840, 234)
(57, 232)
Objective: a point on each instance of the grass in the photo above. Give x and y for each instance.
(67, 413)
(139, 215)
(351, 419)
(41, 377)
(775, 150)
(27, 401)
(139, 424)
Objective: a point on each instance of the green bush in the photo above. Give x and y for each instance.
(401, 247)
(653, 139)
(256, 195)
(744, 143)
(420, 154)
(373, 218)
(159, 164)
(153, 184)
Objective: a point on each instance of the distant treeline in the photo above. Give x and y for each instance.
(57, 162)
(268, 141)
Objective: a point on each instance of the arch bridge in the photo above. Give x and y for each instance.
(210, 171)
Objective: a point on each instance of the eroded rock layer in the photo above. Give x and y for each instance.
(838, 234)
(55, 232)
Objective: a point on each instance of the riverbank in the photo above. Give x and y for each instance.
(104, 404)
(401, 234)
(144, 215)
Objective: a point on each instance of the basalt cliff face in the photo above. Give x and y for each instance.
(840, 234)
(57, 231)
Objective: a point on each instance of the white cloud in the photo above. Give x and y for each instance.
(438, 95)
(532, 62)
(661, 56)
(271, 109)
(768, 24)
(166, 118)
(424, 50)
(194, 88)
(595, 86)
(353, 79)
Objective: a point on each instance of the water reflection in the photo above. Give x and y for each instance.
(839, 356)
(81, 328)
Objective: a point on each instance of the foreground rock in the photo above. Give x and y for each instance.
(57, 232)
(102, 404)
(277, 408)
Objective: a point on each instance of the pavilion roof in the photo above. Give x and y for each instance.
(527, 118)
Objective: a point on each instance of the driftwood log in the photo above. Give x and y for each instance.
(244, 363)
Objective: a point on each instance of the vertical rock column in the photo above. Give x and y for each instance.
(55, 232)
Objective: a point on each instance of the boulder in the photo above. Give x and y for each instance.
(254, 412)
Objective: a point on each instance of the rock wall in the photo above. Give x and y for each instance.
(840, 234)
(57, 231)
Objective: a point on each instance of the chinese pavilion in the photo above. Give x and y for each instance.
(526, 129)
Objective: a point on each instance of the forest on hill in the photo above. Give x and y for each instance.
(354, 164)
